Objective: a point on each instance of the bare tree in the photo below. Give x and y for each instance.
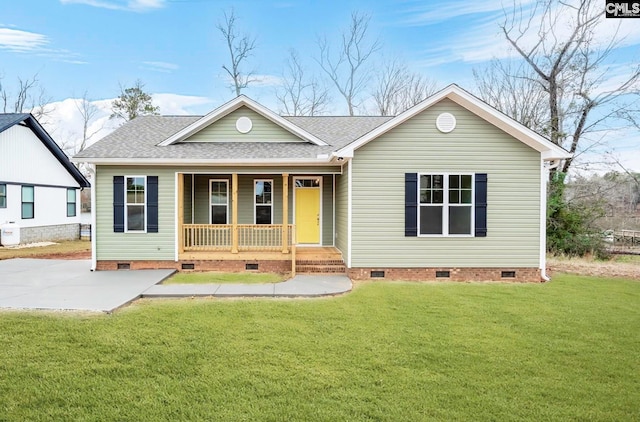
(133, 102)
(240, 48)
(398, 89)
(30, 97)
(571, 68)
(512, 88)
(346, 69)
(88, 112)
(299, 95)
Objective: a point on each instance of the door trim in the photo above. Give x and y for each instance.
(295, 188)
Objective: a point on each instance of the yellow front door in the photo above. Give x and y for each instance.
(308, 215)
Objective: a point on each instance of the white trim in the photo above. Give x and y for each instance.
(232, 106)
(446, 205)
(349, 210)
(93, 170)
(226, 182)
(193, 198)
(255, 204)
(544, 177)
(320, 214)
(333, 183)
(144, 206)
(474, 105)
(208, 161)
(176, 217)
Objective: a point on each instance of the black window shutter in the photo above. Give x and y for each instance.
(481, 204)
(152, 204)
(118, 204)
(411, 204)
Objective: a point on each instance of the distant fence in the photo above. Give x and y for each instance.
(623, 241)
(85, 231)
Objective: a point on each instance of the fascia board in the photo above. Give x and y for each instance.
(200, 162)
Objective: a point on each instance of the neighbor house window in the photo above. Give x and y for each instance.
(3, 196)
(71, 202)
(28, 202)
(445, 204)
(263, 201)
(219, 203)
(135, 201)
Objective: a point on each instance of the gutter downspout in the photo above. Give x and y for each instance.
(545, 168)
(94, 258)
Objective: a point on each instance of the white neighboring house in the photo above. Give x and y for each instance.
(39, 186)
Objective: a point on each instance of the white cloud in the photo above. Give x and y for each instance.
(427, 13)
(64, 122)
(127, 5)
(19, 41)
(163, 67)
(175, 104)
(480, 38)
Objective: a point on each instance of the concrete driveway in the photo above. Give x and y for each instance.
(70, 285)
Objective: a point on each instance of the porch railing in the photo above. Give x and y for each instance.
(219, 237)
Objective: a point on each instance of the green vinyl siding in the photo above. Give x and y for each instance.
(341, 212)
(416, 146)
(224, 130)
(138, 246)
(187, 193)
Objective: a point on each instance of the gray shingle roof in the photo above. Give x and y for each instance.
(140, 137)
(9, 119)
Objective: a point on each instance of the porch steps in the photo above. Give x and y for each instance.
(328, 266)
(326, 260)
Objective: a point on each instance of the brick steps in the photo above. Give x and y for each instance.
(332, 266)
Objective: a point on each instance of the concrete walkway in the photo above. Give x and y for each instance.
(298, 286)
(69, 285)
(52, 284)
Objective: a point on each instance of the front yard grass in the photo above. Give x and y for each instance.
(566, 350)
(226, 278)
(62, 248)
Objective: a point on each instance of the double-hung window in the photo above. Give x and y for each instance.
(219, 202)
(71, 202)
(135, 203)
(445, 204)
(263, 201)
(28, 202)
(3, 195)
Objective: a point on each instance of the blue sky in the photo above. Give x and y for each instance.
(175, 49)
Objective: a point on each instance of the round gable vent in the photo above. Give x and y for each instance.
(446, 122)
(244, 124)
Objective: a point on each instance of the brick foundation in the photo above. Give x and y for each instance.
(520, 275)
(234, 266)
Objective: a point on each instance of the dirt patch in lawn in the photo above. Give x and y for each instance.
(618, 266)
(79, 249)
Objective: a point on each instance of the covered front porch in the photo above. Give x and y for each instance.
(253, 216)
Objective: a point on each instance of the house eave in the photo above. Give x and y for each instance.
(204, 162)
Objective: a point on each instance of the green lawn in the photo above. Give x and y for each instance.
(566, 350)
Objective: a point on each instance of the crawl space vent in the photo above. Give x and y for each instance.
(508, 274)
(377, 274)
(251, 266)
(446, 122)
(443, 274)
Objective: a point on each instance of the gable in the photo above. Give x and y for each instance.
(262, 130)
(474, 144)
(548, 150)
(25, 159)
